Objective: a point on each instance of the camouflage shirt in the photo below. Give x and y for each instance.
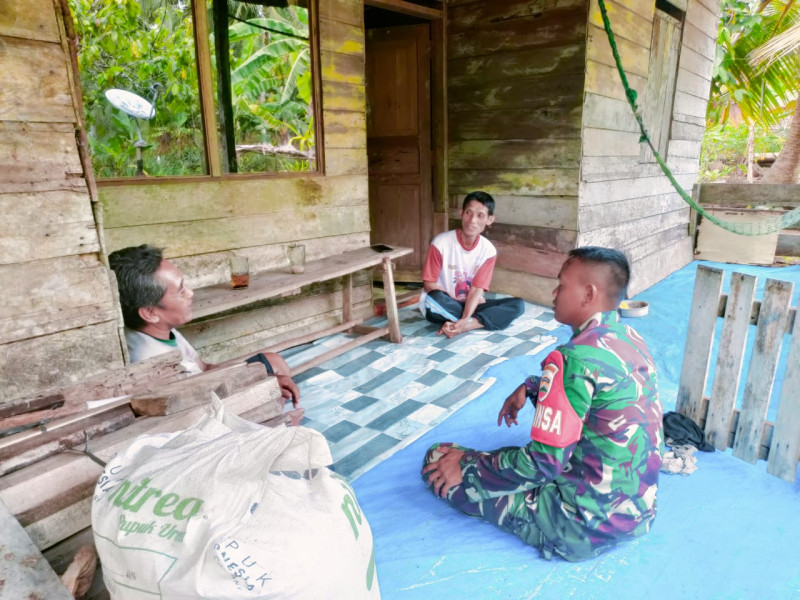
(596, 446)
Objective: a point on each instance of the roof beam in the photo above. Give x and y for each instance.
(406, 8)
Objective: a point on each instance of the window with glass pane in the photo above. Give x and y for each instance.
(145, 49)
(261, 57)
(142, 100)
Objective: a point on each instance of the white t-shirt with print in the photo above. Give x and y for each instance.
(457, 268)
(142, 346)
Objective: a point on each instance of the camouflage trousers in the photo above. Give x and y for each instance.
(536, 516)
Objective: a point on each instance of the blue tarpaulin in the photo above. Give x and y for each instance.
(728, 530)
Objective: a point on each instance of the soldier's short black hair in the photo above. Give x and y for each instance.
(617, 262)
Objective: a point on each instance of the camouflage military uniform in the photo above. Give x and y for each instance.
(588, 479)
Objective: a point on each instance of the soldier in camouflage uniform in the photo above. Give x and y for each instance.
(587, 481)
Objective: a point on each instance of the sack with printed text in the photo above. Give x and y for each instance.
(228, 509)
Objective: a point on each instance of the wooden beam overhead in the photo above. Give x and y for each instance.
(406, 8)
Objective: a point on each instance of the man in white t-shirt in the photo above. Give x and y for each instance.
(458, 270)
(156, 300)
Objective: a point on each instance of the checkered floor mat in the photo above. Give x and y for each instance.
(378, 398)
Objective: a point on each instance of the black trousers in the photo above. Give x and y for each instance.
(493, 314)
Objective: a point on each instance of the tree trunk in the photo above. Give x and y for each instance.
(751, 145)
(786, 166)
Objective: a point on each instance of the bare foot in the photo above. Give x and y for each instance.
(444, 328)
(451, 330)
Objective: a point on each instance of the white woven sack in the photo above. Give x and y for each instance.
(231, 510)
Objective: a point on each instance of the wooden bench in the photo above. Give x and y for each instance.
(746, 430)
(219, 298)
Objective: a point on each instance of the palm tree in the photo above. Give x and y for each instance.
(784, 47)
(762, 91)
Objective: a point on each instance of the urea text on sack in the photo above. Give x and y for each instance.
(160, 504)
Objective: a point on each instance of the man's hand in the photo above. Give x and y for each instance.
(289, 389)
(445, 473)
(512, 406)
(447, 329)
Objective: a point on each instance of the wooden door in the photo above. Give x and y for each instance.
(399, 142)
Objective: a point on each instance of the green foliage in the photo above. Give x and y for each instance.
(141, 47)
(761, 93)
(270, 64)
(724, 149)
(146, 46)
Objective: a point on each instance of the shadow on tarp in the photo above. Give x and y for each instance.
(729, 530)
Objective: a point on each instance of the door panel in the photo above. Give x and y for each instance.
(398, 141)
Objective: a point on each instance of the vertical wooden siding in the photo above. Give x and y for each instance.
(58, 323)
(625, 203)
(515, 86)
(201, 223)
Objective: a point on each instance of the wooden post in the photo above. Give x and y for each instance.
(206, 84)
(762, 369)
(784, 450)
(347, 298)
(699, 340)
(391, 302)
(694, 216)
(439, 120)
(729, 359)
(225, 107)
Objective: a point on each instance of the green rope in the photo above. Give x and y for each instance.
(759, 228)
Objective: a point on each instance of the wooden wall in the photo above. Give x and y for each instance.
(202, 222)
(59, 319)
(515, 86)
(536, 117)
(626, 203)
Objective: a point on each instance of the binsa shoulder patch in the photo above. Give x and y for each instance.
(555, 423)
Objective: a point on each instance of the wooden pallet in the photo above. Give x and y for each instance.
(746, 430)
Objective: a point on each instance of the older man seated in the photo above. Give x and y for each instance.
(156, 300)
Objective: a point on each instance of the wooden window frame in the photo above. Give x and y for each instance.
(208, 110)
(659, 107)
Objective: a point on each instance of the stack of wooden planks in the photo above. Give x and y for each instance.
(46, 476)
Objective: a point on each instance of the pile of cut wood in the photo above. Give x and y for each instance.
(52, 447)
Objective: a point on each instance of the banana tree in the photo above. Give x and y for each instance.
(271, 85)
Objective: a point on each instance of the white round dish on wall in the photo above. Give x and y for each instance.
(633, 308)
